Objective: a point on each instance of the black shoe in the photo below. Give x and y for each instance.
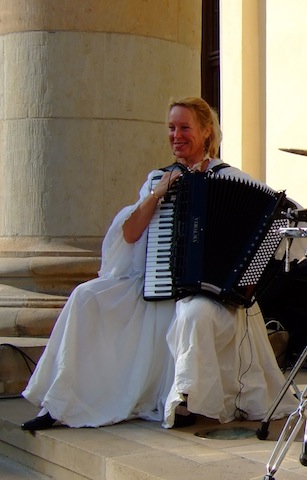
(182, 421)
(39, 423)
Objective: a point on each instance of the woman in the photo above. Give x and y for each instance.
(113, 356)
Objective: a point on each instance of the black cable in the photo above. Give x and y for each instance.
(239, 413)
(25, 357)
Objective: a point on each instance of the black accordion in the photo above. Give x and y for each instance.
(214, 235)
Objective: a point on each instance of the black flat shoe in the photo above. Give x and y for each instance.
(39, 423)
(182, 421)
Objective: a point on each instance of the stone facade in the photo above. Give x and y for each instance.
(83, 97)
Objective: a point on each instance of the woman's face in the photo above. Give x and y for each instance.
(185, 135)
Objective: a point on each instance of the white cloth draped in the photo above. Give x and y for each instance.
(223, 362)
(112, 355)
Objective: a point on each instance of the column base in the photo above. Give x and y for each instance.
(36, 280)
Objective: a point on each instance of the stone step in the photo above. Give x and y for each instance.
(11, 470)
(142, 450)
(18, 357)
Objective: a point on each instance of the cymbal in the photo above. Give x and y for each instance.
(294, 150)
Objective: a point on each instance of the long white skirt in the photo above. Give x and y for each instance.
(112, 356)
(107, 358)
(224, 363)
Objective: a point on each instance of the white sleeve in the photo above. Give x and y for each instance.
(120, 259)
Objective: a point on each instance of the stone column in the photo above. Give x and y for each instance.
(243, 85)
(83, 94)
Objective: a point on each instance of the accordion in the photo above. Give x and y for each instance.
(214, 235)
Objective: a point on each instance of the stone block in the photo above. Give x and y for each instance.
(18, 357)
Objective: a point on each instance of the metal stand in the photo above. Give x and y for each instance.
(289, 233)
(263, 431)
(286, 438)
(298, 417)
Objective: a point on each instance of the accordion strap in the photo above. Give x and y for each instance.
(185, 169)
(171, 167)
(217, 168)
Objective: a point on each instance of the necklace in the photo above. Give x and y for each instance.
(199, 167)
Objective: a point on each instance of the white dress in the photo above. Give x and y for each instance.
(113, 356)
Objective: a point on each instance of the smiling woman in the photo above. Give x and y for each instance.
(194, 136)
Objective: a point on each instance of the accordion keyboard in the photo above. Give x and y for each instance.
(158, 277)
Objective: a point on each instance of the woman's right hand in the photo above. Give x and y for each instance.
(135, 225)
(165, 183)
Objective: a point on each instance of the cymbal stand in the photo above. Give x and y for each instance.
(286, 438)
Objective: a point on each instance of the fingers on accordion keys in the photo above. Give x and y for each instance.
(167, 197)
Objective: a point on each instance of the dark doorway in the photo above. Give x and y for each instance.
(210, 55)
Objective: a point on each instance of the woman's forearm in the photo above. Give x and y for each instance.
(135, 225)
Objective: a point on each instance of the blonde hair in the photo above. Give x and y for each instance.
(205, 116)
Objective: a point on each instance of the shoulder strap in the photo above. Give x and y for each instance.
(183, 168)
(174, 165)
(217, 167)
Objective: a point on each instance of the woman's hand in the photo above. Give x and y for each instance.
(135, 225)
(165, 183)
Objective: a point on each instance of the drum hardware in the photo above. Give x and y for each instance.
(289, 233)
(263, 431)
(299, 416)
(287, 437)
(299, 215)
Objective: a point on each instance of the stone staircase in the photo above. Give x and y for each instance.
(143, 450)
(11, 470)
(36, 280)
(134, 450)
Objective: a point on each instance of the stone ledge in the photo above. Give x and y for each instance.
(34, 322)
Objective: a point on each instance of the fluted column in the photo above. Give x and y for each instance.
(82, 108)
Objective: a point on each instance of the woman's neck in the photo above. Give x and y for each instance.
(196, 165)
